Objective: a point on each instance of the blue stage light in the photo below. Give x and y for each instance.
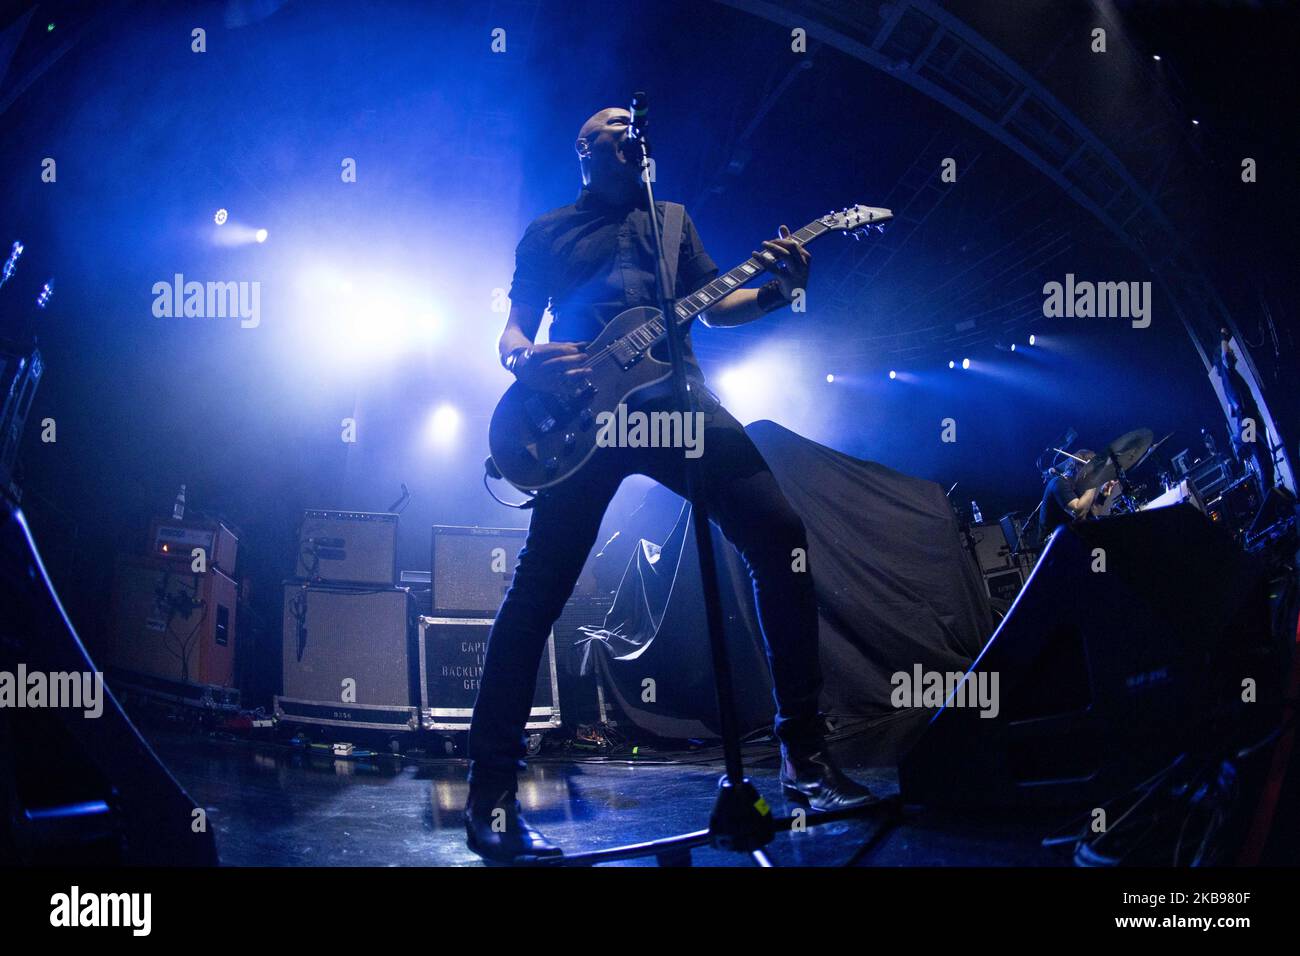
(261, 233)
(892, 374)
(951, 364)
(965, 363)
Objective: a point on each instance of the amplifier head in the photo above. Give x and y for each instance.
(348, 547)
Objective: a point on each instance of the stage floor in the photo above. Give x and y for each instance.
(273, 805)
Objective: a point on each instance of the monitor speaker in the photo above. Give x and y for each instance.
(1131, 634)
(78, 784)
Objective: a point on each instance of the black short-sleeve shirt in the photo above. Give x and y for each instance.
(1058, 494)
(591, 260)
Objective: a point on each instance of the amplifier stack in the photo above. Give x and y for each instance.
(470, 571)
(347, 650)
(173, 628)
(356, 653)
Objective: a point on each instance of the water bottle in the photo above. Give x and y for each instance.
(178, 509)
(975, 515)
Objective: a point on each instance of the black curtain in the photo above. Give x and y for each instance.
(894, 588)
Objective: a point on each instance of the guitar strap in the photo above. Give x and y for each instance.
(674, 218)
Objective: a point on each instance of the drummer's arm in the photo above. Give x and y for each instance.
(1082, 504)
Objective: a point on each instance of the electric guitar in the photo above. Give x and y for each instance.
(538, 439)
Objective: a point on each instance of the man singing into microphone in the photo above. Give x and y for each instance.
(590, 261)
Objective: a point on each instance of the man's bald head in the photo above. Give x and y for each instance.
(601, 118)
(600, 144)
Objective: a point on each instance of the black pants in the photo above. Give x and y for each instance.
(747, 505)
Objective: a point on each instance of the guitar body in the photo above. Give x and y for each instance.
(537, 440)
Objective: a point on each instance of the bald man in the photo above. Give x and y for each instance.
(588, 262)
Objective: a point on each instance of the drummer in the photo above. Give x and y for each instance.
(1062, 500)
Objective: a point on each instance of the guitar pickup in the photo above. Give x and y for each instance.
(539, 414)
(626, 354)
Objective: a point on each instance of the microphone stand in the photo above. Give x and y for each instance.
(741, 818)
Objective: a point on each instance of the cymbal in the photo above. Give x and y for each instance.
(1124, 452)
(1151, 451)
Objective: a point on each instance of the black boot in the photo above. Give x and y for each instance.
(810, 778)
(497, 831)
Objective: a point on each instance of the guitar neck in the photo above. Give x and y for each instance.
(717, 290)
(727, 283)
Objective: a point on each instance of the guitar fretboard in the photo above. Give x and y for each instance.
(710, 294)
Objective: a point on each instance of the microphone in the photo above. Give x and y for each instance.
(636, 130)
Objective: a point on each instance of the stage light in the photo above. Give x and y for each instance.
(768, 383)
(892, 374)
(1032, 338)
(1013, 344)
(444, 424)
(965, 363)
(1155, 56)
(951, 364)
(743, 385)
(1195, 122)
(221, 217)
(829, 377)
(261, 233)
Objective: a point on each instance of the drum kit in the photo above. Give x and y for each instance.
(1118, 461)
(1127, 453)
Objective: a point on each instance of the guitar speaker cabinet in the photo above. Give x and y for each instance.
(347, 657)
(472, 568)
(1105, 671)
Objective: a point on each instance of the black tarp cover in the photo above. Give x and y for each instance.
(894, 587)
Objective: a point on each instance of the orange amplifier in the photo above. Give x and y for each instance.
(177, 540)
(170, 623)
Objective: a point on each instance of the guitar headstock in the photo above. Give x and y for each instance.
(857, 220)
